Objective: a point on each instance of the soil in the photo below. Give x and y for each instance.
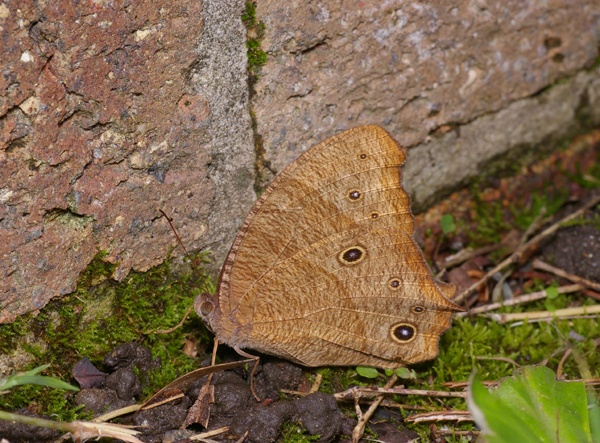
(576, 249)
(234, 405)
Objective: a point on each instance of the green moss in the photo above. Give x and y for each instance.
(100, 315)
(540, 205)
(588, 178)
(293, 432)
(257, 58)
(490, 221)
(11, 334)
(538, 201)
(488, 347)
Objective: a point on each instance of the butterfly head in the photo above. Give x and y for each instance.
(206, 307)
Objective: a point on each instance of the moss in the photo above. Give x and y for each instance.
(490, 220)
(485, 346)
(102, 314)
(12, 334)
(293, 432)
(539, 198)
(588, 178)
(541, 205)
(257, 58)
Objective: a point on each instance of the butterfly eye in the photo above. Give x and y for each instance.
(362, 156)
(352, 255)
(354, 194)
(403, 332)
(374, 215)
(418, 309)
(206, 308)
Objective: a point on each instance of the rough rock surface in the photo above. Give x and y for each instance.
(428, 72)
(109, 112)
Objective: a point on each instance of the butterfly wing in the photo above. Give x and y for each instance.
(325, 270)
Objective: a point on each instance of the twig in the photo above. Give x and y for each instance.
(117, 413)
(204, 435)
(519, 300)
(173, 328)
(78, 430)
(519, 252)
(388, 403)
(493, 383)
(537, 223)
(317, 384)
(543, 266)
(559, 369)
(457, 416)
(537, 315)
(467, 254)
(393, 404)
(363, 419)
(357, 392)
(549, 319)
(465, 384)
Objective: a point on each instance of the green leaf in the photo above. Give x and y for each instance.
(30, 378)
(552, 292)
(531, 407)
(406, 373)
(594, 411)
(549, 305)
(36, 370)
(447, 223)
(367, 372)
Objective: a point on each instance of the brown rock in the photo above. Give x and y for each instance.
(110, 112)
(463, 83)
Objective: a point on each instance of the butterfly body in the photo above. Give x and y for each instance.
(325, 270)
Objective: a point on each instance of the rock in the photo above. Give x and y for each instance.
(110, 112)
(459, 84)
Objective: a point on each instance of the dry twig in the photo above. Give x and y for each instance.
(543, 266)
(363, 419)
(466, 255)
(563, 359)
(547, 315)
(205, 435)
(457, 416)
(518, 300)
(358, 392)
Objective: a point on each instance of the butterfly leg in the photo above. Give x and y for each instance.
(254, 368)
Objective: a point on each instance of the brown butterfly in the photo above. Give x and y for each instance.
(325, 270)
